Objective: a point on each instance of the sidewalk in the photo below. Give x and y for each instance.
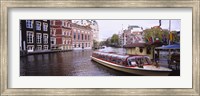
(42, 52)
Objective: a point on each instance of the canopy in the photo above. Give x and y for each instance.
(174, 46)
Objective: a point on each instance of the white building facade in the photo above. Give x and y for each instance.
(93, 24)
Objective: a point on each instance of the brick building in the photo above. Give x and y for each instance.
(61, 34)
(82, 37)
(34, 35)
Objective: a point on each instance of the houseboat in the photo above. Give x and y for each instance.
(134, 64)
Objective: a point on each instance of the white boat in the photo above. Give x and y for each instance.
(135, 64)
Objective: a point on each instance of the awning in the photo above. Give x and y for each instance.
(174, 46)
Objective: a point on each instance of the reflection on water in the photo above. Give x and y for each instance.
(72, 63)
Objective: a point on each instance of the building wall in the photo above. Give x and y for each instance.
(61, 34)
(82, 37)
(92, 23)
(35, 35)
(133, 34)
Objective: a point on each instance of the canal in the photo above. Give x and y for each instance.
(71, 63)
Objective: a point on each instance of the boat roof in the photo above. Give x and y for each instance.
(114, 54)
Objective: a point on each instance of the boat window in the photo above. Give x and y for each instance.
(148, 60)
(141, 61)
(138, 61)
(132, 62)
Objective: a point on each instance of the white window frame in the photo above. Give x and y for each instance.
(39, 47)
(63, 23)
(54, 40)
(45, 40)
(38, 25)
(38, 38)
(45, 26)
(54, 32)
(29, 40)
(31, 48)
(29, 24)
(45, 47)
(63, 32)
(63, 41)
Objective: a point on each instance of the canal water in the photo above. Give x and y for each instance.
(71, 63)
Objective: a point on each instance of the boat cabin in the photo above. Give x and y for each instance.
(124, 60)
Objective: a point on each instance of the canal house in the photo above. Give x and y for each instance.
(34, 35)
(61, 35)
(82, 37)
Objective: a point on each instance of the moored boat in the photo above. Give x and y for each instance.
(135, 64)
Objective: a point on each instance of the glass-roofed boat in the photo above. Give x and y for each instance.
(135, 64)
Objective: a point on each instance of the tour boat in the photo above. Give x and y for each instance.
(135, 64)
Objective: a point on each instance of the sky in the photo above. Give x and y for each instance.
(109, 27)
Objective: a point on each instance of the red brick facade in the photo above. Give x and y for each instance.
(61, 34)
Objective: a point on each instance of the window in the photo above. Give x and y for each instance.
(30, 36)
(45, 38)
(148, 50)
(45, 47)
(38, 38)
(67, 42)
(54, 32)
(78, 36)
(82, 45)
(63, 40)
(85, 37)
(88, 37)
(68, 33)
(63, 23)
(39, 47)
(45, 26)
(30, 48)
(53, 22)
(29, 24)
(69, 25)
(74, 35)
(66, 24)
(82, 36)
(63, 33)
(38, 25)
(53, 40)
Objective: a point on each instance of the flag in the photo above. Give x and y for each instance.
(171, 36)
(152, 39)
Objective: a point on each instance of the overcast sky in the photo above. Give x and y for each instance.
(109, 27)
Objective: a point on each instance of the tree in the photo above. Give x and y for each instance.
(156, 34)
(95, 44)
(115, 39)
(175, 37)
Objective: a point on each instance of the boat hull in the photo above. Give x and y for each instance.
(131, 70)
